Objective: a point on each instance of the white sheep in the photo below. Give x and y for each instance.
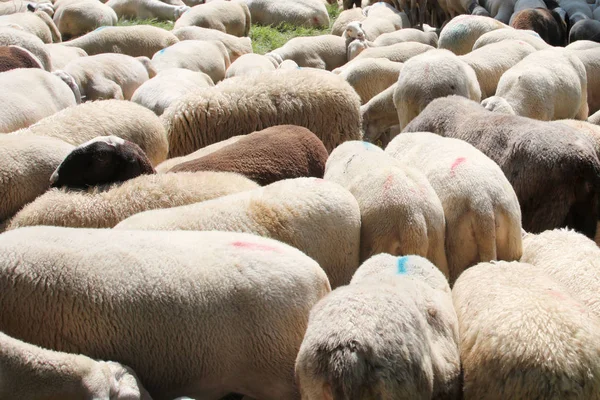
(491, 61)
(308, 13)
(323, 52)
(437, 73)
(199, 314)
(210, 57)
(379, 116)
(125, 119)
(146, 9)
(30, 94)
(251, 64)
(78, 17)
(545, 85)
(21, 6)
(386, 11)
(407, 35)
(318, 100)
(38, 23)
(167, 86)
(595, 118)
(135, 41)
(523, 336)
(26, 166)
(582, 45)
(370, 76)
(571, 259)
(591, 61)
(325, 214)
(10, 36)
(399, 52)
(400, 212)
(62, 55)
(105, 209)
(391, 334)
(236, 46)
(479, 202)
(508, 33)
(231, 17)
(345, 17)
(109, 76)
(461, 33)
(30, 372)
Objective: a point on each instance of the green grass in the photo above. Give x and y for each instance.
(267, 38)
(264, 38)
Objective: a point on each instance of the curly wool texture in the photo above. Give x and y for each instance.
(391, 334)
(318, 100)
(317, 217)
(105, 209)
(200, 314)
(125, 119)
(522, 336)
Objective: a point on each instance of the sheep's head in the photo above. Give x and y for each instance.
(354, 30)
(180, 10)
(102, 160)
(498, 104)
(356, 47)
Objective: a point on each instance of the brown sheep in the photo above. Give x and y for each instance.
(553, 168)
(267, 156)
(548, 24)
(12, 57)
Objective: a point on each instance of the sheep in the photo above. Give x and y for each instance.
(522, 336)
(167, 86)
(12, 57)
(400, 212)
(318, 100)
(105, 209)
(146, 9)
(236, 46)
(10, 36)
(231, 17)
(100, 161)
(323, 52)
(166, 165)
(19, 6)
(325, 212)
(38, 23)
(478, 200)
(399, 52)
(62, 55)
(569, 258)
(109, 76)
(30, 372)
(374, 27)
(383, 10)
(251, 64)
(491, 61)
(547, 23)
(217, 295)
(590, 130)
(545, 85)
(307, 13)
(425, 77)
(210, 57)
(391, 333)
(554, 169)
(135, 41)
(127, 120)
(500, 10)
(30, 94)
(25, 169)
(595, 118)
(370, 76)
(498, 35)
(583, 45)
(574, 11)
(591, 61)
(273, 154)
(345, 17)
(379, 116)
(407, 35)
(75, 18)
(461, 33)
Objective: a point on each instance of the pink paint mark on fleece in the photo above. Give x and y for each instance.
(455, 164)
(253, 246)
(388, 184)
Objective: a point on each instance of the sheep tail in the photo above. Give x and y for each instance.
(349, 372)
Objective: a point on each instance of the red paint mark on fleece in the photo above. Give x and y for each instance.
(253, 246)
(387, 185)
(455, 164)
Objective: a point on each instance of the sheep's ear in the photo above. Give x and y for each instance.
(30, 7)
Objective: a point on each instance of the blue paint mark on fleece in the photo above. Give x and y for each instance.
(402, 265)
(368, 146)
(99, 29)
(161, 51)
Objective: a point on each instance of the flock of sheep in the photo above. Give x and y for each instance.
(383, 212)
